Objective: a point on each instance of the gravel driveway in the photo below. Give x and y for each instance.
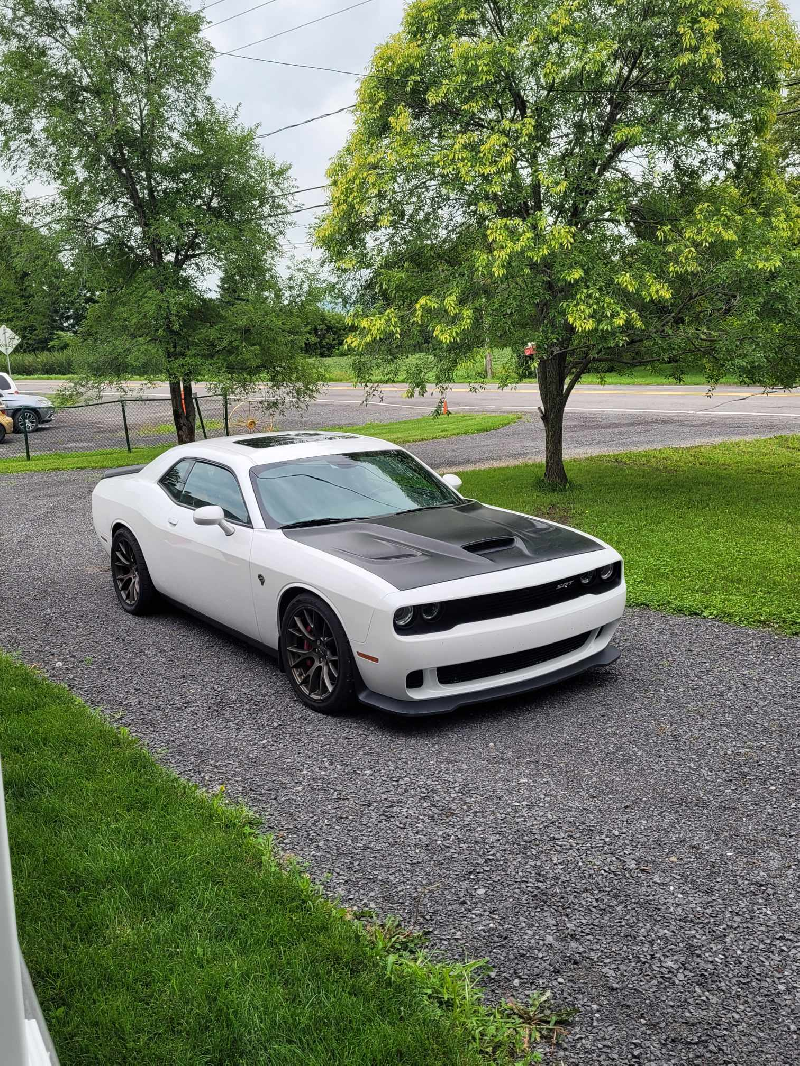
(628, 839)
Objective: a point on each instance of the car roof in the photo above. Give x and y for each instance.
(258, 449)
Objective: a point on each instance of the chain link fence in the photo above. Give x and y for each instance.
(124, 424)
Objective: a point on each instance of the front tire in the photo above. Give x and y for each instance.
(26, 421)
(317, 656)
(135, 591)
(2, 432)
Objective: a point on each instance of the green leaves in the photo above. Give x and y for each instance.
(564, 172)
(161, 191)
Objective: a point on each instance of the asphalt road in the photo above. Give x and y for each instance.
(628, 839)
(598, 419)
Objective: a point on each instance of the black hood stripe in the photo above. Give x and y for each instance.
(444, 543)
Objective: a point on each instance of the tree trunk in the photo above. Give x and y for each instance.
(551, 375)
(183, 411)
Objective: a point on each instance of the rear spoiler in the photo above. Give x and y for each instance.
(123, 470)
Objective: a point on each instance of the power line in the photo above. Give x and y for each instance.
(305, 122)
(207, 7)
(302, 26)
(300, 66)
(230, 18)
(398, 77)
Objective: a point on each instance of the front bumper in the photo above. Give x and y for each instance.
(444, 704)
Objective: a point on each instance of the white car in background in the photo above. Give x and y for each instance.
(367, 574)
(27, 410)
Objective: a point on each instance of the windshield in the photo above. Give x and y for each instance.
(335, 488)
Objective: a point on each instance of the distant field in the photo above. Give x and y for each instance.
(337, 368)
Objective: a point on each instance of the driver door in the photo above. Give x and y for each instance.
(209, 571)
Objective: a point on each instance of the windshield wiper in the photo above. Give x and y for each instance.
(431, 506)
(320, 522)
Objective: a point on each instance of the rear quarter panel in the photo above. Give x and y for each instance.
(139, 505)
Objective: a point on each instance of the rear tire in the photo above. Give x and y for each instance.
(316, 656)
(2, 432)
(135, 591)
(26, 419)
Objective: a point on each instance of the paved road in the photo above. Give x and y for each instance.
(607, 419)
(628, 839)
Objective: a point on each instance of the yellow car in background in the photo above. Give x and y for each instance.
(6, 425)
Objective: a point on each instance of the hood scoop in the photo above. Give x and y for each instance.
(492, 544)
(379, 550)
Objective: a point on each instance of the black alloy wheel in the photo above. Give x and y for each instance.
(135, 591)
(317, 656)
(26, 420)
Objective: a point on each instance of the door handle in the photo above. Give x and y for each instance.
(173, 521)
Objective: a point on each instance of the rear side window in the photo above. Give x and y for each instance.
(209, 485)
(172, 481)
(5, 384)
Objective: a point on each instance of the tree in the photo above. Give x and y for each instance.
(595, 178)
(162, 190)
(327, 330)
(39, 295)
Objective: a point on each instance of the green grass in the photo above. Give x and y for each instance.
(414, 429)
(102, 459)
(43, 377)
(163, 428)
(709, 531)
(160, 927)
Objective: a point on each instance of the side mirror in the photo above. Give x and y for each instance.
(453, 480)
(213, 516)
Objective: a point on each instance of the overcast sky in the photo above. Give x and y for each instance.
(272, 95)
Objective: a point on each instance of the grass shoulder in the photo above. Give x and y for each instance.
(410, 431)
(709, 530)
(160, 925)
(338, 369)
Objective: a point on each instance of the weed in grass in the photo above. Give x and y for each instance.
(508, 1032)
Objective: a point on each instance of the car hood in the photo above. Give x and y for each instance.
(444, 543)
(24, 399)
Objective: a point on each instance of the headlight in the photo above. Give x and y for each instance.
(606, 572)
(586, 579)
(403, 617)
(431, 611)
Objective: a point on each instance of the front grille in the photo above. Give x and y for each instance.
(515, 601)
(507, 664)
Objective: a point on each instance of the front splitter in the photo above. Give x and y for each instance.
(445, 704)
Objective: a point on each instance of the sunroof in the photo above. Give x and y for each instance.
(277, 440)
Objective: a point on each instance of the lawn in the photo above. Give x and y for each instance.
(709, 531)
(405, 432)
(160, 927)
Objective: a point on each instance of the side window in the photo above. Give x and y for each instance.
(172, 481)
(5, 384)
(213, 485)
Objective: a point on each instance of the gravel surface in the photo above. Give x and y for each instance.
(627, 839)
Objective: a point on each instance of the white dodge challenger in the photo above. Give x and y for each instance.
(367, 574)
